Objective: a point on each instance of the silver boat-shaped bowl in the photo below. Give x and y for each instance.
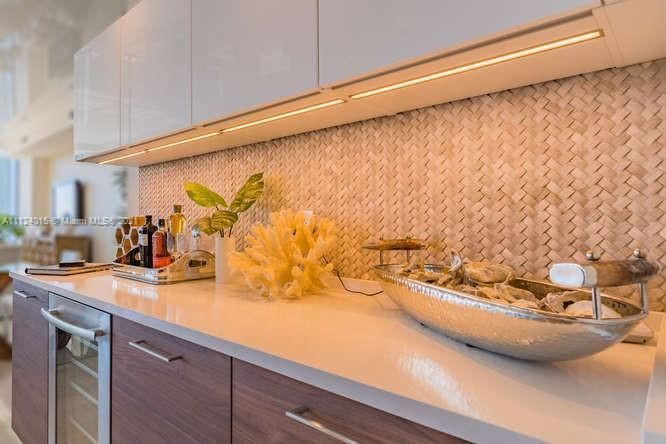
(523, 333)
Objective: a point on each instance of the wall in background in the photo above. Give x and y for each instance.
(34, 187)
(524, 177)
(101, 198)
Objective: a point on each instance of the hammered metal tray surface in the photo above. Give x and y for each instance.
(523, 333)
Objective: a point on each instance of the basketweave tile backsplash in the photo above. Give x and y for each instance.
(524, 177)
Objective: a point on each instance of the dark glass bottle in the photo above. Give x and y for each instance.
(146, 242)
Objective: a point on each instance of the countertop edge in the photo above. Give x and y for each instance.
(654, 429)
(446, 421)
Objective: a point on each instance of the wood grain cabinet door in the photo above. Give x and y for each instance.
(263, 398)
(167, 390)
(30, 362)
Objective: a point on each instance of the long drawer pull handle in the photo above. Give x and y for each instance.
(23, 294)
(89, 334)
(297, 415)
(143, 346)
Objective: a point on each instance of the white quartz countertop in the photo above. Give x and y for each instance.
(655, 410)
(366, 349)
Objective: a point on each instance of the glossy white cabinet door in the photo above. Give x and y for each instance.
(360, 36)
(156, 81)
(248, 53)
(97, 94)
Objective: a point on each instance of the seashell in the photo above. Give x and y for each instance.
(488, 273)
(584, 308)
(491, 281)
(417, 275)
(526, 303)
(488, 292)
(456, 262)
(445, 278)
(425, 276)
(558, 302)
(513, 294)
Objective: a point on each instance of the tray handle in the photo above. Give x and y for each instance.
(595, 274)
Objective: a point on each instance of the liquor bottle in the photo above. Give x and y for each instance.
(161, 256)
(178, 230)
(146, 242)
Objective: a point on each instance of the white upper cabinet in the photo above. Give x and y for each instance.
(175, 78)
(156, 80)
(357, 37)
(249, 53)
(97, 94)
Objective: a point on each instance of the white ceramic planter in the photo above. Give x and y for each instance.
(223, 248)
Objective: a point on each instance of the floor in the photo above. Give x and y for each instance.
(7, 436)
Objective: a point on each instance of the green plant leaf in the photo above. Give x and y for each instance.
(223, 219)
(6, 226)
(205, 225)
(248, 194)
(203, 196)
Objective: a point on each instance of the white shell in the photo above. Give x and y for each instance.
(584, 308)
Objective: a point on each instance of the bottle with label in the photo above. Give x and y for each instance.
(178, 230)
(161, 256)
(146, 242)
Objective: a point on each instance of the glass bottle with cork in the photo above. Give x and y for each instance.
(146, 242)
(177, 231)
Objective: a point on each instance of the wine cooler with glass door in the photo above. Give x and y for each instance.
(79, 372)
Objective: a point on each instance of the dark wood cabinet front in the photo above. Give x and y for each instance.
(167, 390)
(263, 398)
(30, 362)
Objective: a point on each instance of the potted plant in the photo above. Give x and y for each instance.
(9, 231)
(223, 218)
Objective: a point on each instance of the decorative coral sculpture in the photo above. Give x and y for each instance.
(284, 259)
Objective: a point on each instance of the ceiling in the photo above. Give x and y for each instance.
(48, 21)
(38, 39)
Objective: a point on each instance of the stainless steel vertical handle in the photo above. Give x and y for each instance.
(144, 347)
(89, 334)
(23, 294)
(297, 415)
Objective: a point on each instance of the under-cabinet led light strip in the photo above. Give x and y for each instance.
(486, 62)
(183, 141)
(438, 75)
(160, 147)
(283, 115)
(230, 129)
(126, 156)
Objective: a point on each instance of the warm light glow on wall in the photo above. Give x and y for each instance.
(485, 62)
(230, 129)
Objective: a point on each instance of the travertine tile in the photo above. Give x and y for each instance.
(526, 177)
